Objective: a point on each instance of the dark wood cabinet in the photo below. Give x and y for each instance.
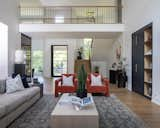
(112, 76)
(138, 51)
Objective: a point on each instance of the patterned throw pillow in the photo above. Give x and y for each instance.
(96, 80)
(13, 85)
(67, 81)
(2, 86)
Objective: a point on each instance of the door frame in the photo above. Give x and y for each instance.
(52, 55)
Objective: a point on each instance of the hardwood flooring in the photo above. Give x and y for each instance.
(144, 108)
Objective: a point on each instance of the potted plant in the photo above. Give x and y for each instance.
(96, 69)
(82, 76)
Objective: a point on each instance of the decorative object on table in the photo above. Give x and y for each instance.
(78, 103)
(104, 88)
(96, 69)
(80, 52)
(19, 57)
(114, 65)
(61, 88)
(118, 52)
(82, 77)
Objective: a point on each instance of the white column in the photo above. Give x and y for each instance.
(3, 51)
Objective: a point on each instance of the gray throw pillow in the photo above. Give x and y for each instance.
(2, 86)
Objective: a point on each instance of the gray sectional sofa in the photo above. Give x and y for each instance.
(14, 104)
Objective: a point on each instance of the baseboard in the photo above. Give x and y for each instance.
(156, 101)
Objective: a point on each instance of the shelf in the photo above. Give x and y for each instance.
(147, 95)
(148, 68)
(148, 55)
(148, 82)
(148, 62)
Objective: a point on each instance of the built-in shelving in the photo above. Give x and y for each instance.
(148, 62)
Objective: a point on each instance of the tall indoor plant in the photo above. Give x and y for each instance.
(82, 76)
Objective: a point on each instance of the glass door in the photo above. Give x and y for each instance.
(59, 60)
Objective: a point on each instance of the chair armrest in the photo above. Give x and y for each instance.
(88, 82)
(75, 83)
(58, 81)
(106, 81)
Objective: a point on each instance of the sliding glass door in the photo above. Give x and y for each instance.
(59, 60)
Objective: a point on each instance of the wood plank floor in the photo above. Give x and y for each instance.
(144, 108)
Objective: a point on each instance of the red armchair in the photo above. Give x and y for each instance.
(60, 88)
(104, 88)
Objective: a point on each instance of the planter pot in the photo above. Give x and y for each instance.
(82, 94)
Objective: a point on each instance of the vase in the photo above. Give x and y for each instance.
(82, 94)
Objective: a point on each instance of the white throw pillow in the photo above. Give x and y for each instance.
(13, 85)
(96, 80)
(67, 81)
(19, 83)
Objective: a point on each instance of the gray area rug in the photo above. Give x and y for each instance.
(113, 114)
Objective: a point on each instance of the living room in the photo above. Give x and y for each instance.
(127, 103)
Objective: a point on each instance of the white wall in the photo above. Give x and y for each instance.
(9, 16)
(47, 54)
(102, 50)
(101, 54)
(138, 14)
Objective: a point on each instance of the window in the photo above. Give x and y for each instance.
(3, 51)
(87, 44)
(59, 60)
(59, 19)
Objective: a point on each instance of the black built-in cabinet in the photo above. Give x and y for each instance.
(138, 60)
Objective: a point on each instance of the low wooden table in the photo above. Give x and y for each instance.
(65, 116)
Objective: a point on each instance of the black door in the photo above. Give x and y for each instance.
(137, 61)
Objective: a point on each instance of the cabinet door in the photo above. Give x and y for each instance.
(137, 62)
(134, 63)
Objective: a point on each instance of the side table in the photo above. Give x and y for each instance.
(40, 85)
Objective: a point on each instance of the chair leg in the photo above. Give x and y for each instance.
(107, 94)
(56, 94)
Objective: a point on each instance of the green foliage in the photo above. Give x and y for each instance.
(82, 76)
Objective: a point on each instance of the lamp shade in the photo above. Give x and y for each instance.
(19, 57)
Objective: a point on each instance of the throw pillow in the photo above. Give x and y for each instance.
(2, 86)
(96, 80)
(67, 81)
(24, 80)
(13, 85)
(19, 83)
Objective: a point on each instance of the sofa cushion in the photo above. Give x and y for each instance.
(29, 92)
(14, 100)
(2, 86)
(11, 101)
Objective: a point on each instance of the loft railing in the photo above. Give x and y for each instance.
(71, 15)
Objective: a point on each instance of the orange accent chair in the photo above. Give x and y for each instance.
(104, 88)
(60, 88)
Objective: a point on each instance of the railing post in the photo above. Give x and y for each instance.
(119, 10)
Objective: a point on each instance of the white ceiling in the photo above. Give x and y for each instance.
(68, 2)
(75, 35)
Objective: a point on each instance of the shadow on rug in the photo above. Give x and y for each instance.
(113, 114)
